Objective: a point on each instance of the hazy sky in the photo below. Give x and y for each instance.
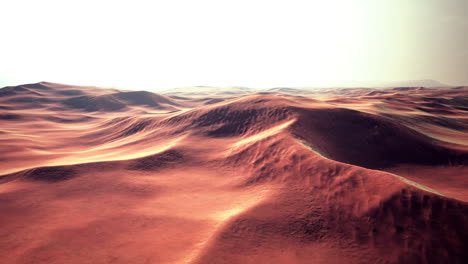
(173, 43)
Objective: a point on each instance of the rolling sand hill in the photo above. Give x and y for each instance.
(93, 175)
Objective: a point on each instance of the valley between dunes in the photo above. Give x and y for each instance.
(94, 175)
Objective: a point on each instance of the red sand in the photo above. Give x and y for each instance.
(94, 175)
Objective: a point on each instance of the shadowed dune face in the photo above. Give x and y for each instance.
(369, 140)
(93, 175)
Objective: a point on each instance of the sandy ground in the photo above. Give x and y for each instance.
(92, 175)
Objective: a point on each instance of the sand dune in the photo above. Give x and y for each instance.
(93, 175)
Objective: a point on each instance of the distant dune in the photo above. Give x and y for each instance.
(233, 175)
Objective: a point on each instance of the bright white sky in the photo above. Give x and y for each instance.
(256, 43)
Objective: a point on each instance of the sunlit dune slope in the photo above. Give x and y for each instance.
(94, 175)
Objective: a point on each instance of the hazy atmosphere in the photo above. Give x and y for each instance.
(234, 132)
(164, 44)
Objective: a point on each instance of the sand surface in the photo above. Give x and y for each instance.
(93, 175)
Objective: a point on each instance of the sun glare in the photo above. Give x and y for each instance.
(165, 44)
